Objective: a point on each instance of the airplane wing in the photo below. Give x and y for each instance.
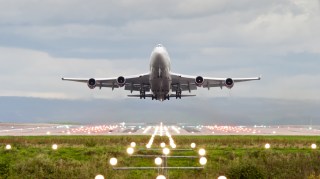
(189, 83)
(132, 83)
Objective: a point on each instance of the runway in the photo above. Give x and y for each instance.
(14, 129)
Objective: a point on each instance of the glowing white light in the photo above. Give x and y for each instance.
(203, 161)
(222, 177)
(99, 177)
(174, 146)
(158, 161)
(267, 146)
(175, 129)
(8, 147)
(313, 146)
(152, 138)
(202, 152)
(48, 133)
(133, 144)
(113, 161)
(130, 150)
(161, 177)
(147, 129)
(166, 151)
(161, 129)
(193, 145)
(163, 145)
(54, 147)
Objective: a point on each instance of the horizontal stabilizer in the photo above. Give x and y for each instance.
(138, 96)
(172, 95)
(183, 95)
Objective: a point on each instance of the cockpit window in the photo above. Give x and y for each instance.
(159, 45)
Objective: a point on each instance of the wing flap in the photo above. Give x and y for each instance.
(187, 82)
(133, 82)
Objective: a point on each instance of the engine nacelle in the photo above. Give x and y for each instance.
(199, 81)
(121, 81)
(92, 83)
(229, 83)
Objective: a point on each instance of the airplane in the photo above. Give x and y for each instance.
(160, 83)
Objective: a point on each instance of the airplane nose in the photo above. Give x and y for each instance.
(158, 57)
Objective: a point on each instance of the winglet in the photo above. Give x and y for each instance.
(62, 78)
(260, 77)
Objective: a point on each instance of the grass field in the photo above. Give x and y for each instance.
(87, 156)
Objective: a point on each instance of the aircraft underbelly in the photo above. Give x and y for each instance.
(160, 87)
(160, 81)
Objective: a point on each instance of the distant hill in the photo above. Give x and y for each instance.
(237, 111)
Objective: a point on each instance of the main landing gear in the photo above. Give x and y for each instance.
(178, 94)
(154, 97)
(142, 94)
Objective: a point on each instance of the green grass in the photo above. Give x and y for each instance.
(86, 156)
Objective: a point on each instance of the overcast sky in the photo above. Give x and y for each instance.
(42, 41)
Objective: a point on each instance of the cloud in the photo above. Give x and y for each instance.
(65, 28)
(44, 40)
(37, 74)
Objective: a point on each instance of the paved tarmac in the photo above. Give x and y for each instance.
(16, 129)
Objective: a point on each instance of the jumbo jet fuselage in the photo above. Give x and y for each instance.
(160, 78)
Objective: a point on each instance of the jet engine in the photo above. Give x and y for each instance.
(92, 83)
(199, 81)
(121, 81)
(229, 83)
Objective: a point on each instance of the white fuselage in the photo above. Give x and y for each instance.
(160, 78)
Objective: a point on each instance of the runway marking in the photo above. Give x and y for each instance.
(159, 130)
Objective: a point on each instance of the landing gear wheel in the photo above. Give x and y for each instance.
(178, 94)
(142, 94)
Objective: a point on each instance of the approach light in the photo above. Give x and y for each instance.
(222, 177)
(113, 161)
(8, 147)
(313, 146)
(158, 161)
(163, 145)
(133, 144)
(130, 150)
(166, 151)
(174, 146)
(148, 146)
(161, 177)
(267, 146)
(202, 152)
(193, 145)
(54, 147)
(99, 177)
(48, 133)
(203, 161)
